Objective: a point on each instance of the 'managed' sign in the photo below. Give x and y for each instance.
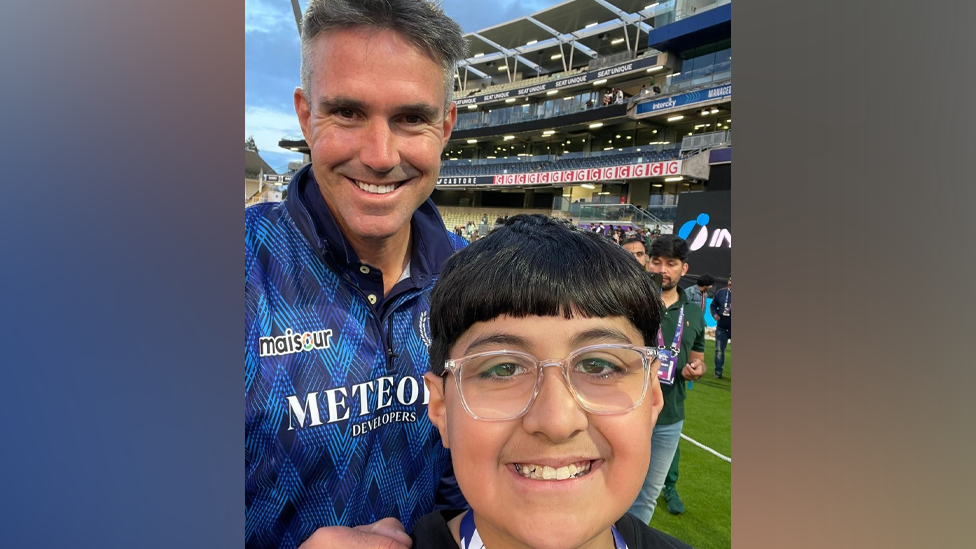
(652, 107)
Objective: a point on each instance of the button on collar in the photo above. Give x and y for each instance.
(364, 269)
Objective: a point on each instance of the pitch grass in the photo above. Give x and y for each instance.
(704, 481)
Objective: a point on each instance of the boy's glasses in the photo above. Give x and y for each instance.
(604, 379)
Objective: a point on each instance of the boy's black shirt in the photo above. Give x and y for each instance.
(431, 532)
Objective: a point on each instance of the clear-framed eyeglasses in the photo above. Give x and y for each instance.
(502, 385)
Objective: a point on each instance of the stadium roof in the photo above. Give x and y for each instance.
(581, 30)
(590, 24)
(253, 163)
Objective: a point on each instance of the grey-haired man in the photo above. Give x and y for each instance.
(339, 451)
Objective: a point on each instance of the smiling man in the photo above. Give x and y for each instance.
(337, 281)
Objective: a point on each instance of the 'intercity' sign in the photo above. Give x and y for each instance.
(651, 108)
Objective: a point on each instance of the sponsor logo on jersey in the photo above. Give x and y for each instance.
(359, 401)
(295, 343)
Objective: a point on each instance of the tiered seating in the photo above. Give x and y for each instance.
(460, 215)
(250, 188)
(525, 82)
(568, 164)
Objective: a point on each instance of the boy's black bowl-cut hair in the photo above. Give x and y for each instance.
(541, 266)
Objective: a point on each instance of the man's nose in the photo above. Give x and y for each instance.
(378, 150)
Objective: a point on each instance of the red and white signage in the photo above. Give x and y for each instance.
(653, 169)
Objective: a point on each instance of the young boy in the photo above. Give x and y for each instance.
(547, 457)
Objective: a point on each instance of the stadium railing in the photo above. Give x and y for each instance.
(705, 141)
(585, 214)
(599, 63)
(594, 161)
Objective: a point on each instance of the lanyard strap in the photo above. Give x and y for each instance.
(471, 540)
(676, 344)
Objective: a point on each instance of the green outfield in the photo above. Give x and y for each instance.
(704, 481)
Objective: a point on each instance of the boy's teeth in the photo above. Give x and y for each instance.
(376, 189)
(545, 472)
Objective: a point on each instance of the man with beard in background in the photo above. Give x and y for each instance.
(682, 335)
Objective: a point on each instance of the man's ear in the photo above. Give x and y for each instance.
(304, 112)
(450, 117)
(436, 406)
(684, 269)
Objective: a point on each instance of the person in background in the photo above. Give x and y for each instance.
(682, 335)
(698, 293)
(721, 310)
(636, 248)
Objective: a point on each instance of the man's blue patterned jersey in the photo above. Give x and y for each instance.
(336, 429)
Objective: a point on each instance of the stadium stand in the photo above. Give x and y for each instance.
(547, 116)
(454, 215)
(254, 168)
(601, 161)
(251, 188)
(521, 83)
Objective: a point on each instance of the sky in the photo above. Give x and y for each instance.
(272, 59)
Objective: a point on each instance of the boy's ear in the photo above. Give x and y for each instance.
(436, 406)
(657, 396)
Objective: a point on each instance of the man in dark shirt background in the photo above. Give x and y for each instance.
(721, 310)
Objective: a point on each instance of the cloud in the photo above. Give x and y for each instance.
(260, 17)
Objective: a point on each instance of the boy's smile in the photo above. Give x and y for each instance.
(536, 471)
(558, 476)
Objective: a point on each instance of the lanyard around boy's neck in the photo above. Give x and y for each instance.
(471, 540)
(676, 344)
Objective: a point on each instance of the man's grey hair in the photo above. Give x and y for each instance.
(422, 22)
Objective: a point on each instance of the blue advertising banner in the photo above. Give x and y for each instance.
(651, 108)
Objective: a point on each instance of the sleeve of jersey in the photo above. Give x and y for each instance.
(250, 348)
(457, 242)
(449, 494)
